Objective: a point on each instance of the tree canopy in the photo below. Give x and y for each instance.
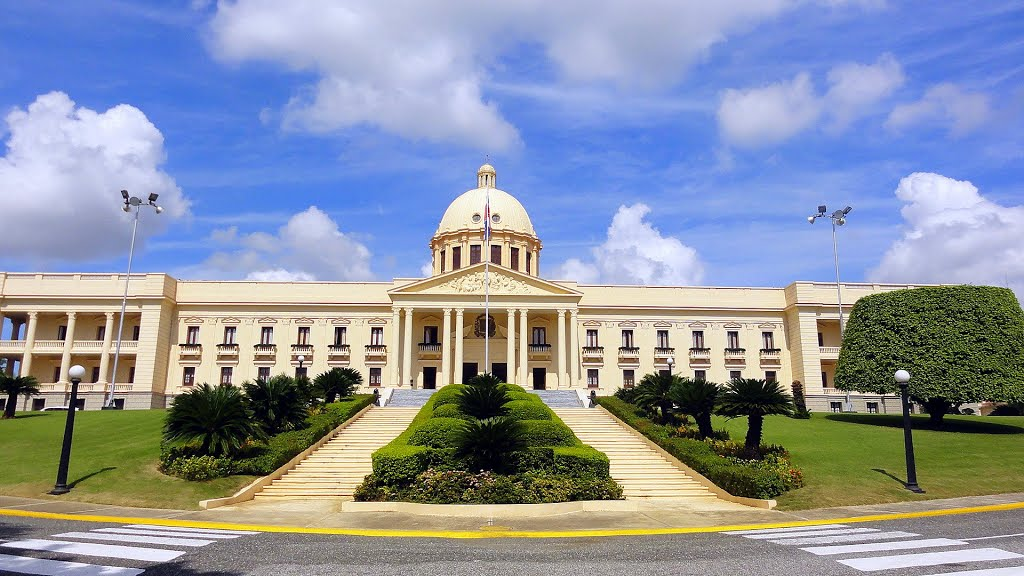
(959, 343)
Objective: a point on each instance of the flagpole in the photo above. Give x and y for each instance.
(487, 281)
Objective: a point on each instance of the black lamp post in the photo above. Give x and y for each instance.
(903, 379)
(61, 487)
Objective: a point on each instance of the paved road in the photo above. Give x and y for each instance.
(985, 544)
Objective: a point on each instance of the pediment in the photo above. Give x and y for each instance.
(662, 324)
(342, 321)
(230, 320)
(267, 320)
(470, 281)
(697, 325)
(592, 323)
(767, 326)
(192, 320)
(377, 322)
(304, 321)
(732, 325)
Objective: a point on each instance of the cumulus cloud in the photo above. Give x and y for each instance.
(310, 246)
(635, 252)
(420, 69)
(945, 105)
(954, 235)
(62, 173)
(776, 112)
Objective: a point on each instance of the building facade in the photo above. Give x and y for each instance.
(425, 332)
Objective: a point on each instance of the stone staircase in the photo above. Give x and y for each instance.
(642, 472)
(559, 398)
(406, 398)
(337, 467)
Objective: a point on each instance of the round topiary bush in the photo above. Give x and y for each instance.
(450, 411)
(548, 433)
(448, 394)
(528, 410)
(437, 433)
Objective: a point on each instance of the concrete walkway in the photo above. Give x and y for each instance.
(328, 515)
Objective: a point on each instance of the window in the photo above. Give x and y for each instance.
(663, 339)
(225, 375)
(38, 404)
(735, 374)
(627, 378)
(229, 334)
(56, 373)
(769, 376)
(821, 339)
(474, 254)
(627, 338)
(377, 336)
(62, 333)
(836, 406)
(266, 335)
(592, 339)
(263, 373)
(188, 378)
(131, 375)
(101, 332)
(529, 262)
(496, 254)
(442, 262)
(95, 374)
(592, 379)
(430, 334)
(135, 332)
(456, 257)
(301, 372)
(303, 336)
(698, 338)
(872, 407)
(192, 335)
(514, 257)
(733, 338)
(374, 376)
(824, 379)
(340, 335)
(700, 374)
(768, 340)
(539, 335)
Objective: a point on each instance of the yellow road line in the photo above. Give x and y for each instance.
(369, 532)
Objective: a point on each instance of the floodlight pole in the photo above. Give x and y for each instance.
(838, 218)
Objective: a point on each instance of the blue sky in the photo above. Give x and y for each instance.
(730, 124)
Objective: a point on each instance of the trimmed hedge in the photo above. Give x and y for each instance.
(727, 473)
(437, 432)
(450, 411)
(447, 395)
(549, 433)
(528, 409)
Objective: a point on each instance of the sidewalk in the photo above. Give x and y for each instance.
(321, 514)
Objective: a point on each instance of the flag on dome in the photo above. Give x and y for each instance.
(487, 218)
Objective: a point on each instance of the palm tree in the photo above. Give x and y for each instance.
(485, 380)
(653, 392)
(696, 398)
(754, 399)
(214, 418)
(337, 383)
(488, 443)
(15, 386)
(482, 401)
(276, 404)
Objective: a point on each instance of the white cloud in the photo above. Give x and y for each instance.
(427, 270)
(61, 177)
(855, 88)
(954, 235)
(308, 247)
(945, 105)
(636, 253)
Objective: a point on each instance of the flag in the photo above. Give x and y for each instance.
(487, 219)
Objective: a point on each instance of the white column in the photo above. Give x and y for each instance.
(407, 375)
(105, 354)
(69, 339)
(574, 350)
(393, 353)
(446, 348)
(457, 369)
(561, 350)
(30, 341)
(524, 341)
(510, 354)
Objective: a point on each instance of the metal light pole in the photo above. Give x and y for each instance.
(76, 373)
(671, 360)
(903, 379)
(838, 218)
(301, 358)
(129, 203)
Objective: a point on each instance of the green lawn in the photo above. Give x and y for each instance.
(113, 460)
(853, 459)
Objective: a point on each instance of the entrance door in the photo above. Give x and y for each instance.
(469, 371)
(500, 369)
(540, 378)
(429, 377)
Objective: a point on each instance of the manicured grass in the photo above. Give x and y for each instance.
(851, 459)
(113, 460)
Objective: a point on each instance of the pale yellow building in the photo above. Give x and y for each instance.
(425, 332)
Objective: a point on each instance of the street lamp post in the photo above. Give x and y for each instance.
(301, 358)
(129, 203)
(671, 360)
(903, 379)
(76, 373)
(838, 218)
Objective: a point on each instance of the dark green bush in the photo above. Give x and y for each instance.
(198, 468)
(528, 410)
(488, 443)
(523, 395)
(447, 395)
(399, 464)
(538, 458)
(450, 411)
(482, 402)
(580, 461)
(437, 432)
(461, 487)
(487, 380)
(548, 433)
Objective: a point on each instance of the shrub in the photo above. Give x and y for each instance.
(487, 443)
(528, 410)
(627, 395)
(1008, 410)
(215, 419)
(487, 380)
(522, 395)
(533, 459)
(276, 404)
(437, 433)
(447, 395)
(548, 433)
(461, 487)
(198, 468)
(579, 461)
(450, 411)
(482, 401)
(337, 383)
(399, 464)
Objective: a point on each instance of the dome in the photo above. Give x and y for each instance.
(466, 211)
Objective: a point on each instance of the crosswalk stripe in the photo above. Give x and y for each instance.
(929, 559)
(184, 529)
(815, 533)
(87, 549)
(172, 534)
(188, 542)
(845, 538)
(883, 546)
(782, 530)
(1010, 571)
(43, 567)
